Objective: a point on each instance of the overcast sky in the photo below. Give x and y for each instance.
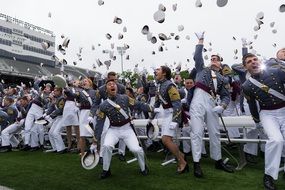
(86, 23)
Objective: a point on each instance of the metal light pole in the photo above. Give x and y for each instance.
(121, 51)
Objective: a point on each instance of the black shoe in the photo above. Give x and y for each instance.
(26, 147)
(145, 172)
(186, 169)
(250, 158)
(105, 174)
(62, 151)
(122, 157)
(5, 149)
(101, 160)
(221, 166)
(197, 170)
(32, 149)
(268, 182)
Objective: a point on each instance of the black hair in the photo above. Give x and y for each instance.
(167, 72)
(247, 56)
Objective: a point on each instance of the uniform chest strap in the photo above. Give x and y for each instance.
(266, 89)
(88, 97)
(118, 107)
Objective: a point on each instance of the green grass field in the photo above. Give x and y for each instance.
(38, 170)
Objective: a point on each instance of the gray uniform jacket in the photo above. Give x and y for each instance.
(204, 77)
(170, 98)
(272, 78)
(116, 118)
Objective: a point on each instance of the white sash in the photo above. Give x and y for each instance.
(267, 89)
(88, 97)
(122, 111)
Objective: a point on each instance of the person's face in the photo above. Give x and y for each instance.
(6, 102)
(252, 65)
(159, 75)
(140, 90)
(215, 61)
(86, 83)
(177, 79)
(281, 54)
(111, 88)
(23, 103)
(76, 83)
(57, 92)
(113, 77)
(189, 83)
(47, 89)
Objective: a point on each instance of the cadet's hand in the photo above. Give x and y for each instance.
(184, 101)
(200, 35)
(48, 118)
(93, 148)
(243, 41)
(218, 109)
(173, 125)
(90, 119)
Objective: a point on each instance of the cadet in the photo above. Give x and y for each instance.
(267, 87)
(116, 107)
(55, 113)
(101, 95)
(209, 83)
(9, 141)
(168, 96)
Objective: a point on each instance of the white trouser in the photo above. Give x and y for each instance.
(122, 147)
(55, 134)
(83, 121)
(273, 122)
(7, 134)
(126, 133)
(252, 148)
(200, 111)
(31, 129)
(186, 130)
(105, 129)
(232, 110)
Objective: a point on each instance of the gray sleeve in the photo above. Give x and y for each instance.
(100, 120)
(198, 57)
(244, 51)
(224, 93)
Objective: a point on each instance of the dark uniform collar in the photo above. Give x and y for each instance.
(113, 98)
(162, 81)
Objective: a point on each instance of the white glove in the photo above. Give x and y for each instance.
(48, 118)
(218, 109)
(200, 35)
(244, 43)
(173, 125)
(258, 126)
(184, 101)
(156, 110)
(93, 148)
(90, 119)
